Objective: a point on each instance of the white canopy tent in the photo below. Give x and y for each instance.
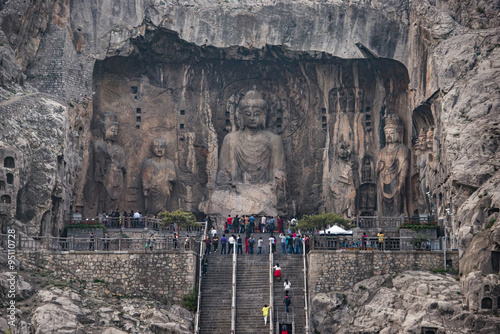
(335, 230)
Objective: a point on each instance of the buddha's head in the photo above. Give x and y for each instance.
(253, 110)
(393, 129)
(109, 126)
(159, 147)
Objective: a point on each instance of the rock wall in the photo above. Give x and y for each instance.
(449, 50)
(416, 35)
(337, 271)
(158, 274)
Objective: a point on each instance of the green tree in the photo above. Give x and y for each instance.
(322, 221)
(181, 218)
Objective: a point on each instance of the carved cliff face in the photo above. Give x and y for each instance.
(310, 104)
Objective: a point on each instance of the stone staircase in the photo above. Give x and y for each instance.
(215, 306)
(252, 292)
(292, 267)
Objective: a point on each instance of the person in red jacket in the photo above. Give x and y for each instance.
(229, 224)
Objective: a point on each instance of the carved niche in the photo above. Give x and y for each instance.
(9, 180)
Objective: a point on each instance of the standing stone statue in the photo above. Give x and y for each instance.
(252, 155)
(158, 177)
(430, 138)
(342, 193)
(393, 163)
(109, 164)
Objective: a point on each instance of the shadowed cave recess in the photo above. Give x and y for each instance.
(329, 112)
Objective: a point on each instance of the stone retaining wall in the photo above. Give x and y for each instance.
(167, 275)
(337, 270)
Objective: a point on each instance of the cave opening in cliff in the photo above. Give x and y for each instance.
(328, 111)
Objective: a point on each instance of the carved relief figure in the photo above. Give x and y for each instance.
(430, 138)
(252, 155)
(367, 199)
(341, 185)
(393, 164)
(158, 177)
(421, 141)
(367, 174)
(109, 163)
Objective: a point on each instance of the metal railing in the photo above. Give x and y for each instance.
(367, 222)
(200, 279)
(377, 243)
(233, 289)
(271, 287)
(306, 300)
(283, 317)
(59, 244)
(133, 223)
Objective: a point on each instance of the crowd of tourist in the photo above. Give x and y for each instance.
(249, 224)
(291, 243)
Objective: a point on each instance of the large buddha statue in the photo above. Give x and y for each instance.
(158, 177)
(252, 155)
(251, 176)
(109, 163)
(393, 163)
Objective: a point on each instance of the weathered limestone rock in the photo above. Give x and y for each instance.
(23, 290)
(112, 330)
(169, 70)
(481, 292)
(66, 311)
(398, 304)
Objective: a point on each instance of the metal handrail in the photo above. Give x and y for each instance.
(306, 304)
(283, 316)
(132, 223)
(391, 222)
(233, 296)
(348, 242)
(200, 277)
(100, 244)
(271, 287)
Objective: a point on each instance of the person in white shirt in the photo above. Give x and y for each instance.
(287, 285)
(272, 242)
(231, 244)
(213, 232)
(259, 244)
